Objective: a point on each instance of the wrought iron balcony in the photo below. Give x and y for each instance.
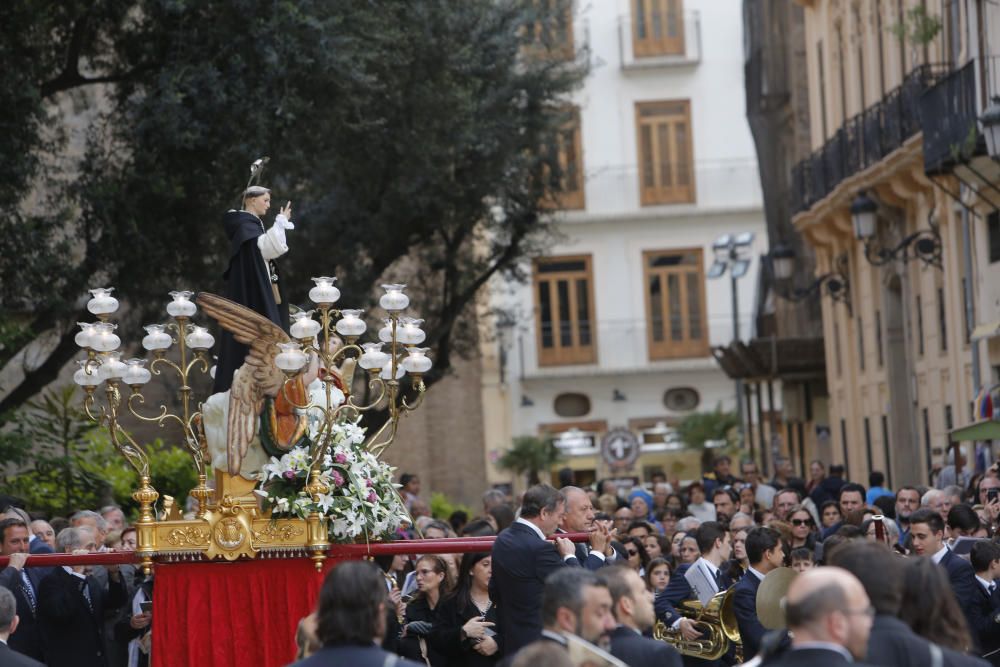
(948, 112)
(864, 139)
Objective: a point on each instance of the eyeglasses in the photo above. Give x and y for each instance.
(802, 522)
(868, 611)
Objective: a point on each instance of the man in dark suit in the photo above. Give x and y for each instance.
(983, 613)
(71, 606)
(927, 534)
(765, 553)
(579, 518)
(23, 582)
(522, 559)
(715, 546)
(8, 625)
(351, 619)
(851, 498)
(891, 642)
(632, 604)
(829, 617)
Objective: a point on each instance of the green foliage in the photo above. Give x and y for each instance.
(918, 28)
(698, 428)
(442, 507)
(530, 455)
(64, 463)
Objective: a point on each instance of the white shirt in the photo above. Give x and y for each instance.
(984, 583)
(756, 573)
(538, 531)
(940, 554)
(75, 574)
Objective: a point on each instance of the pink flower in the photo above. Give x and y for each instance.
(289, 474)
(340, 457)
(338, 479)
(369, 483)
(372, 497)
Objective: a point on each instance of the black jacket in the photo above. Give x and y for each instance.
(28, 638)
(409, 646)
(893, 643)
(637, 651)
(963, 581)
(355, 656)
(446, 638)
(981, 612)
(11, 658)
(72, 629)
(811, 657)
(521, 562)
(745, 607)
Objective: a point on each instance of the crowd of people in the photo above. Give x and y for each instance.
(891, 577)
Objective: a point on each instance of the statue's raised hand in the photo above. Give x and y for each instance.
(285, 216)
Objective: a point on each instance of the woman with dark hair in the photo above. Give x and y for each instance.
(962, 522)
(676, 503)
(423, 611)
(638, 559)
(657, 575)
(929, 605)
(817, 473)
(803, 528)
(503, 515)
(829, 514)
(465, 629)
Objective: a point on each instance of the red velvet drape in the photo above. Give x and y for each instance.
(241, 614)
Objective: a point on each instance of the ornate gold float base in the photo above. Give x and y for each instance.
(231, 527)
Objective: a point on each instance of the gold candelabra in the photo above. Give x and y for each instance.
(228, 525)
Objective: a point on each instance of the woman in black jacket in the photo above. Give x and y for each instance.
(465, 631)
(423, 612)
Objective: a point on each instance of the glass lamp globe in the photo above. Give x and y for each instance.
(324, 293)
(385, 333)
(102, 303)
(410, 332)
(416, 361)
(112, 367)
(86, 375)
(304, 326)
(181, 306)
(198, 338)
(136, 373)
(103, 337)
(386, 373)
(84, 337)
(156, 338)
(291, 358)
(864, 215)
(351, 324)
(373, 357)
(394, 299)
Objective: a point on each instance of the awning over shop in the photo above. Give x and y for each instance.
(984, 430)
(788, 358)
(988, 330)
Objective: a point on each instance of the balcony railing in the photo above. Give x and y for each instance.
(948, 112)
(864, 139)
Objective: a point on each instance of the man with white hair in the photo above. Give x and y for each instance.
(936, 500)
(114, 517)
(71, 605)
(94, 521)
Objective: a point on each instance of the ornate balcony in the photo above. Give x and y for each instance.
(948, 112)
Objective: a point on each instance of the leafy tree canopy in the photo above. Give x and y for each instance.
(407, 134)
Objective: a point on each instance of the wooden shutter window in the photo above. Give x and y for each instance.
(666, 161)
(657, 28)
(566, 333)
(675, 304)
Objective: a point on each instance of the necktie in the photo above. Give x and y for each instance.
(718, 580)
(992, 589)
(86, 594)
(29, 592)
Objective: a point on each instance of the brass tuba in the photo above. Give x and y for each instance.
(717, 623)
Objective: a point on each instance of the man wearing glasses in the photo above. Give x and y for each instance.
(829, 618)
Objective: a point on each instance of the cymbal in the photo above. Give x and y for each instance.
(771, 597)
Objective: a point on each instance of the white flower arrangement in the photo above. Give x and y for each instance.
(362, 500)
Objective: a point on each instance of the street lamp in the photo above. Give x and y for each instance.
(924, 245)
(989, 124)
(782, 263)
(733, 252)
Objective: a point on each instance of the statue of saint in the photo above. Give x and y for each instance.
(251, 275)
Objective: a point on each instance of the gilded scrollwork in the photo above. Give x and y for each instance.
(286, 532)
(191, 535)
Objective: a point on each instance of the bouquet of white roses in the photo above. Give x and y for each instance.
(362, 499)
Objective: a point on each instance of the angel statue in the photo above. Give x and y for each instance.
(256, 418)
(251, 275)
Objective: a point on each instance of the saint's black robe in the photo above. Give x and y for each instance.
(247, 284)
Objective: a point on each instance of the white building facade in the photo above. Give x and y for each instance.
(615, 326)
